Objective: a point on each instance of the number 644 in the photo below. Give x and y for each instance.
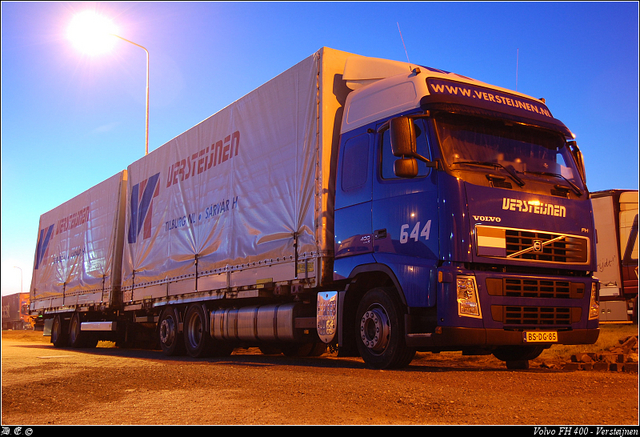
(416, 233)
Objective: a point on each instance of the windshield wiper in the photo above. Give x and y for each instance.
(509, 169)
(573, 186)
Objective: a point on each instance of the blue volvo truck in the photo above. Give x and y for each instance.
(378, 206)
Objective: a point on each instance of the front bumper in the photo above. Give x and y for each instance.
(455, 338)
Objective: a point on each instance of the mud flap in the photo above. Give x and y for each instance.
(327, 315)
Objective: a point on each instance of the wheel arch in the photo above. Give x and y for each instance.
(362, 279)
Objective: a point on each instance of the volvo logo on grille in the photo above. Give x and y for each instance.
(531, 245)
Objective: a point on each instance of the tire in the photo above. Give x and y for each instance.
(197, 341)
(78, 338)
(59, 331)
(380, 331)
(171, 342)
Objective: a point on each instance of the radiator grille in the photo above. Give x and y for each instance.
(534, 288)
(537, 288)
(545, 247)
(531, 246)
(535, 316)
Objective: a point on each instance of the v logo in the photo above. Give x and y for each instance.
(141, 205)
(43, 244)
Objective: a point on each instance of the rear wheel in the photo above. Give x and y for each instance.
(380, 331)
(171, 342)
(77, 337)
(59, 331)
(197, 340)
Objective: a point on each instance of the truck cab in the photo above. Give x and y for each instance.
(462, 220)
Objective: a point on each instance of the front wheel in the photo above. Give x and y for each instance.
(380, 331)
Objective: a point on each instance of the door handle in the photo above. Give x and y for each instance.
(379, 234)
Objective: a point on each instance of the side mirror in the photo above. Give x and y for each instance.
(406, 167)
(403, 137)
(577, 155)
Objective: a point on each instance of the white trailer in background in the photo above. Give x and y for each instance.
(616, 219)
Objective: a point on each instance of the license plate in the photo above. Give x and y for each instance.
(540, 337)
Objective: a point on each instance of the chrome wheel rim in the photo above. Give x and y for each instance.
(375, 329)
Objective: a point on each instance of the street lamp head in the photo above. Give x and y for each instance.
(92, 33)
(95, 34)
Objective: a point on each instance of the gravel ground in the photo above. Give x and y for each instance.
(43, 385)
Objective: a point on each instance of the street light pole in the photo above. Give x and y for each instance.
(146, 144)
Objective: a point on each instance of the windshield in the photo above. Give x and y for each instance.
(518, 150)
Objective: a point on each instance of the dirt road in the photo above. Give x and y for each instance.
(43, 385)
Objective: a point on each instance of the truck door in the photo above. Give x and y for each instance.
(353, 234)
(405, 218)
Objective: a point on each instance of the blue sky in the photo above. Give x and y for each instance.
(70, 121)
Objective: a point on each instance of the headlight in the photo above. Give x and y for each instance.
(594, 308)
(467, 296)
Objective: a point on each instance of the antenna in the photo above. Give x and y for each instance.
(405, 47)
(517, 59)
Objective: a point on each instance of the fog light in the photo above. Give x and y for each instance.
(594, 308)
(467, 297)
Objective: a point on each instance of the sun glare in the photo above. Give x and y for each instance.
(92, 33)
